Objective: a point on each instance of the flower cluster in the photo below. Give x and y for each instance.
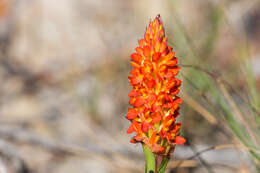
(154, 92)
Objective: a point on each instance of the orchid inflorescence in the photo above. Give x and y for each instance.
(154, 100)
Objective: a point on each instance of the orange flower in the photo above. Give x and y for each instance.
(154, 89)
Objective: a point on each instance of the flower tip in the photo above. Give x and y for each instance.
(158, 18)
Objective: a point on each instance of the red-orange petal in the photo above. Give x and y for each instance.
(139, 50)
(142, 43)
(169, 56)
(156, 107)
(136, 80)
(145, 127)
(156, 56)
(151, 97)
(172, 62)
(134, 64)
(147, 51)
(133, 141)
(152, 139)
(132, 113)
(133, 93)
(130, 129)
(151, 83)
(136, 57)
(139, 102)
(156, 117)
(180, 140)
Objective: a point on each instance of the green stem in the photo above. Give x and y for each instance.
(163, 164)
(150, 165)
(152, 161)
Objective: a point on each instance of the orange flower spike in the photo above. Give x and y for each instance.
(154, 94)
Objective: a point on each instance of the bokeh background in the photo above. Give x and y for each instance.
(64, 86)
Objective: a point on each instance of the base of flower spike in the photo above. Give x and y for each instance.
(150, 162)
(154, 163)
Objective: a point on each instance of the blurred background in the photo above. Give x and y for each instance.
(64, 86)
